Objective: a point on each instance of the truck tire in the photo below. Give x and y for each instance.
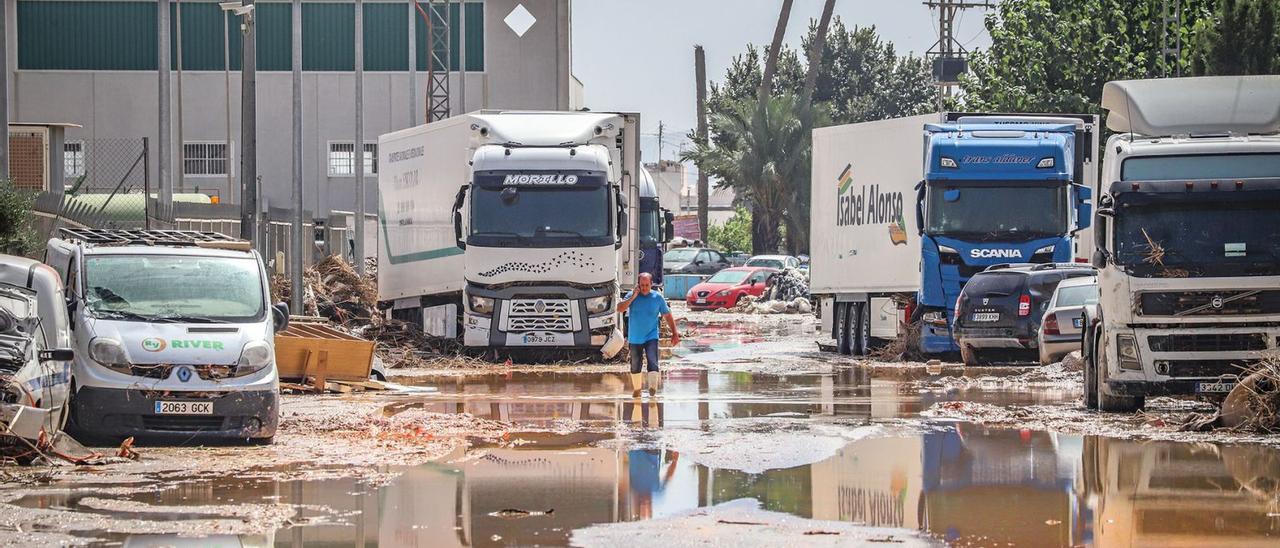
(1090, 372)
(862, 329)
(844, 345)
(1108, 403)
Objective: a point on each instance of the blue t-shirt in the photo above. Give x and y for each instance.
(644, 313)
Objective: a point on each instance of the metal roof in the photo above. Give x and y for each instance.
(1194, 106)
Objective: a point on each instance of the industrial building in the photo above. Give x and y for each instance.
(93, 64)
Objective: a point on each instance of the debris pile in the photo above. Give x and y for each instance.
(1252, 406)
(906, 347)
(750, 305)
(788, 285)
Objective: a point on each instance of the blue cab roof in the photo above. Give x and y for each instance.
(993, 152)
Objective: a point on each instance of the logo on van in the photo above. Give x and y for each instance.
(153, 344)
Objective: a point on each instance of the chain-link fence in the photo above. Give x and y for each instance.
(106, 166)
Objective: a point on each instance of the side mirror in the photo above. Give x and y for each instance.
(458, 200)
(1084, 207)
(56, 355)
(754, 282)
(72, 304)
(280, 316)
(1099, 259)
(669, 229)
(920, 193)
(623, 225)
(697, 262)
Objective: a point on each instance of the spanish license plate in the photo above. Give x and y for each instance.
(986, 316)
(184, 408)
(700, 301)
(1214, 387)
(1077, 322)
(540, 338)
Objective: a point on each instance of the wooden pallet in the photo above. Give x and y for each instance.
(318, 355)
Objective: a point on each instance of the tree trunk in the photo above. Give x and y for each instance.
(815, 55)
(704, 186)
(771, 62)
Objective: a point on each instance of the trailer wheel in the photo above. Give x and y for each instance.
(843, 330)
(862, 327)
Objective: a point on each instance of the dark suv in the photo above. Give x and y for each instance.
(999, 311)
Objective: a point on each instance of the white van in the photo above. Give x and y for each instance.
(35, 348)
(173, 332)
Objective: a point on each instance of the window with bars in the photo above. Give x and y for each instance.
(342, 159)
(73, 159)
(205, 158)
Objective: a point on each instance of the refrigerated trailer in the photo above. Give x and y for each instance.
(924, 203)
(520, 227)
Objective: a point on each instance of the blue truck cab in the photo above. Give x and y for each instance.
(997, 189)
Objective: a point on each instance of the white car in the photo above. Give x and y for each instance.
(1063, 322)
(777, 262)
(35, 348)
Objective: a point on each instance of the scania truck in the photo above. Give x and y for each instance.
(539, 239)
(1188, 225)
(988, 189)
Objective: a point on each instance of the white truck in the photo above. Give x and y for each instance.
(1186, 246)
(174, 335)
(540, 238)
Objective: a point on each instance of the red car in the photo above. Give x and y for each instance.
(727, 287)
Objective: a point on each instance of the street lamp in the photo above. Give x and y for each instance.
(248, 119)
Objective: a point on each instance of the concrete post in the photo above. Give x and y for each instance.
(299, 239)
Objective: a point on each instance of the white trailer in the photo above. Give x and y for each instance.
(863, 242)
(520, 227)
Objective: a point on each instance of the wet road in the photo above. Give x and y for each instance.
(829, 443)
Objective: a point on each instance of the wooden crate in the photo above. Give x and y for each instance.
(315, 353)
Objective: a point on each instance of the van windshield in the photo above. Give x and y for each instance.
(174, 288)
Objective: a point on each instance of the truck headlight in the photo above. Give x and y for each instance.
(108, 353)
(480, 305)
(947, 162)
(599, 305)
(1127, 349)
(936, 318)
(255, 356)
(1046, 162)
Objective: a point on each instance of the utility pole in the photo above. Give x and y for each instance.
(226, 85)
(948, 54)
(462, 57)
(4, 96)
(357, 150)
(704, 186)
(413, 63)
(438, 57)
(181, 150)
(166, 121)
(248, 124)
(660, 128)
(300, 249)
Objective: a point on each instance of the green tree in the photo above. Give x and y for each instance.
(734, 234)
(1240, 38)
(1055, 55)
(17, 237)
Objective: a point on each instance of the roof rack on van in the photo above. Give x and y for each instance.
(212, 240)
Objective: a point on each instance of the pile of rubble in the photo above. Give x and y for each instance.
(788, 285)
(749, 304)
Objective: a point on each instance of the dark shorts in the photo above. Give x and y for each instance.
(639, 352)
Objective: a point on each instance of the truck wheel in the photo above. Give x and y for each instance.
(1090, 374)
(843, 330)
(862, 333)
(1107, 402)
(969, 356)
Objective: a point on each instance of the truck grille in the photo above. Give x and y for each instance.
(1209, 303)
(1210, 342)
(1207, 368)
(540, 315)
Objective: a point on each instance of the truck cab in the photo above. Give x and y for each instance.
(546, 228)
(657, 227)
(996, 189)
(1188, 219)
(173, 335)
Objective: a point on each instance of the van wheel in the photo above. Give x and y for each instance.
(844, 345)
(969, 356)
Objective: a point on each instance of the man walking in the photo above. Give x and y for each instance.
(646, 306)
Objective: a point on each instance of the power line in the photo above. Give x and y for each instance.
(948, 54)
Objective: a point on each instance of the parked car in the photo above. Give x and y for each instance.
(737, 258)
(693, 260)
(778, 262)
(998, 313)
(729, 286)
(1063, 321)
(35, 348)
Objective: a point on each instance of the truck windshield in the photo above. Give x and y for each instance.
(540, 217)
(649, 225)
(174, 288)
(1185, 235)
(991, 213)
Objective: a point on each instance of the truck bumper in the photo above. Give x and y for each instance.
(120, 413)
(936, 340)
(1179, 361)
(561, 321)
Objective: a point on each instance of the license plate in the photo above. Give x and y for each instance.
(540, 338)
(986, 316)
(1077, 322)
(1215, 387)
(184, 408)
(700, 301)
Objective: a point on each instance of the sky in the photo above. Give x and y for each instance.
(637, 55)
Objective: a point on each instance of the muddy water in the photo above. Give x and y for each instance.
(583, 452)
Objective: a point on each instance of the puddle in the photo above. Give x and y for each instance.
(961, 483)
